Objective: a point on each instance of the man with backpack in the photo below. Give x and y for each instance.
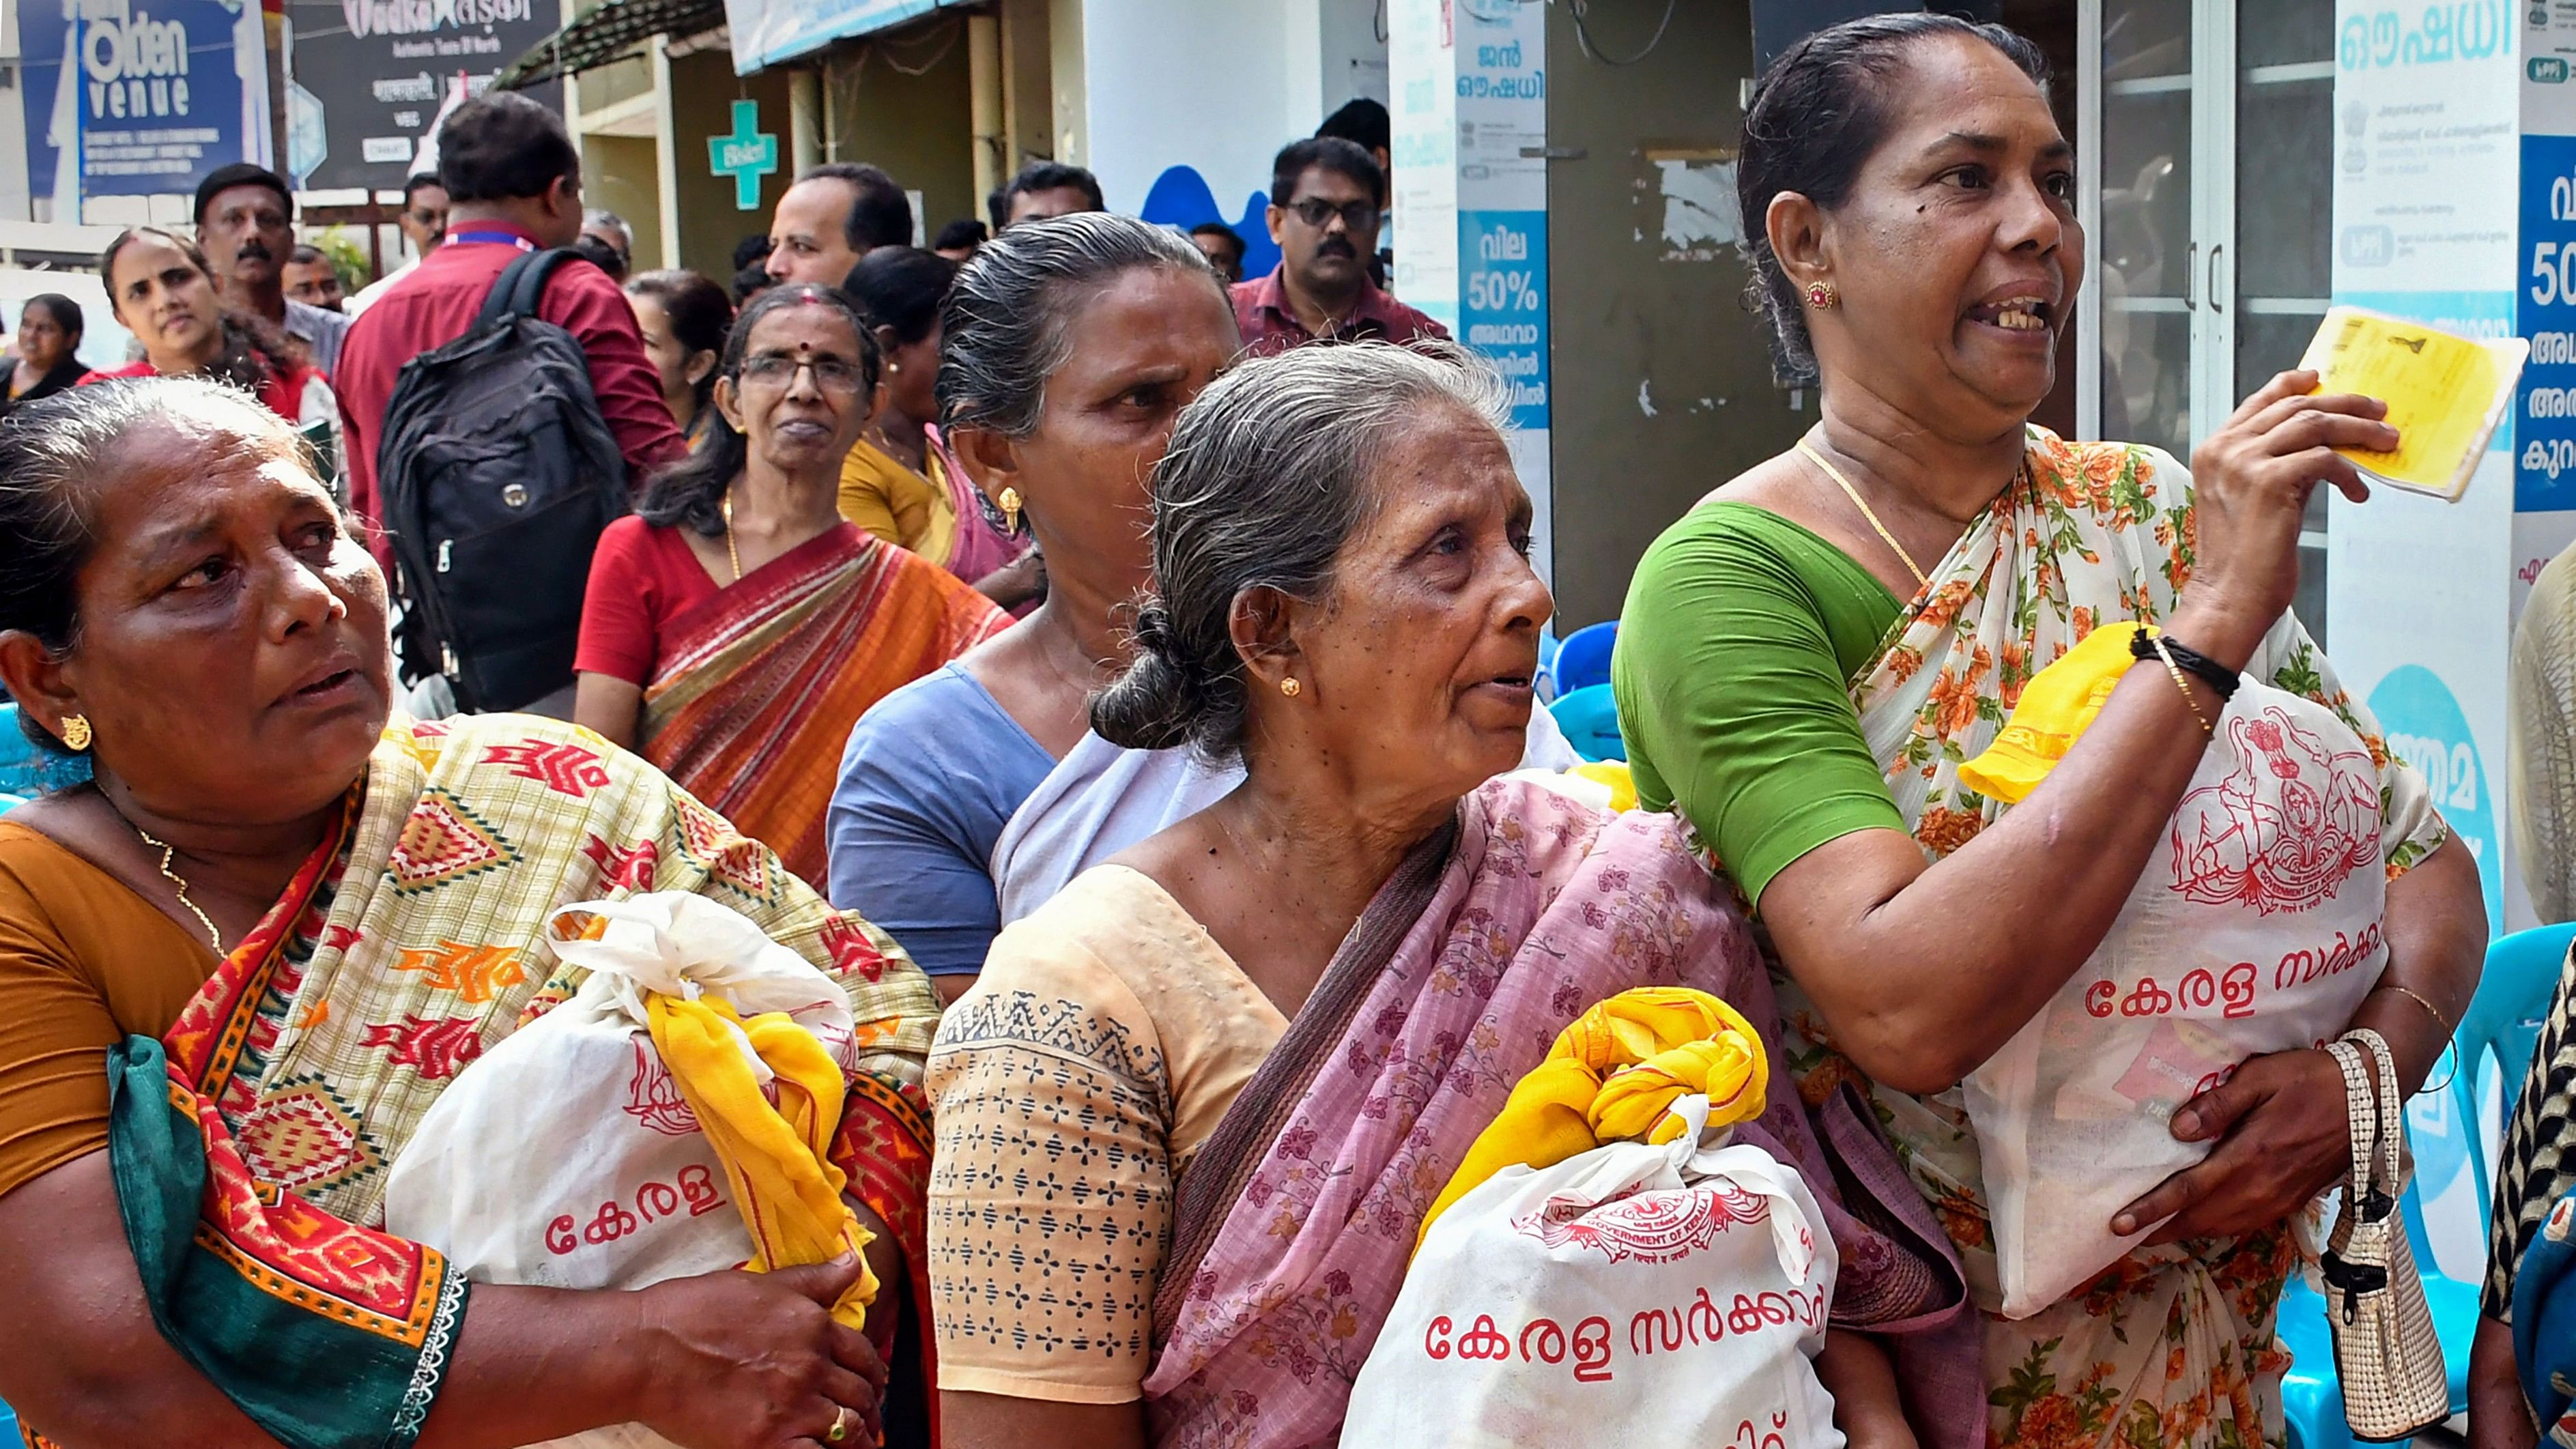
(481, 457)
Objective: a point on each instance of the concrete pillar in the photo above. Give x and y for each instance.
(666, 152)
(984, 90)
(805, 119)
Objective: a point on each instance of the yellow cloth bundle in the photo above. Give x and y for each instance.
(1613, 1075)
(2055, 707)
(777, 1158)
(1613, 773)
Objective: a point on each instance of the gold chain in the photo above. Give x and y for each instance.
(2180, 683)
(1920, 579)
(732, 555)
(179, 883)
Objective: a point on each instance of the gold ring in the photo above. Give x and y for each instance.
(840, 1429)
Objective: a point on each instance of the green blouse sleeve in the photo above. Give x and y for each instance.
(1739, 634)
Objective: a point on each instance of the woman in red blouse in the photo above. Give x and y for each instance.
(735, 626)
(162, 291)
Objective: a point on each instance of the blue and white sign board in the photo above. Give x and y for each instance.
(2545, 474)
(1469, 86)
(139, 97)
(2427, 154)
(765, 32)
(2431, 207)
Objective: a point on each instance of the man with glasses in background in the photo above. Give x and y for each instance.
(424, 224)
(1327, 198)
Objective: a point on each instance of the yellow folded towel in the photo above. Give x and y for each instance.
(1612, 1076)
(2056, 706)
(777, 1158)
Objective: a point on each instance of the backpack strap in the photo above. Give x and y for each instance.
(521, 287)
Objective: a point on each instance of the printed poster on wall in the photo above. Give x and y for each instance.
(2426, 210)
(380, 69)
(1469, 80)
(138, 97)
(2545, 473)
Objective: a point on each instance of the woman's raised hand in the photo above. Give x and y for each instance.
(2250, 486)
(756, 1361)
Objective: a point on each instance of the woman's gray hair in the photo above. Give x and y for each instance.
(1267, 477)
(1006, 326)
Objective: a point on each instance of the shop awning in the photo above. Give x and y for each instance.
(766, 32)
(607, 31)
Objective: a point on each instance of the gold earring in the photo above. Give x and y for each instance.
(1824, 296)
(1290, 686)
(1010, 502)
(76, 732)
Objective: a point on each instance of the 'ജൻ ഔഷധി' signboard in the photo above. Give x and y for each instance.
(379, 69)
(138, 97)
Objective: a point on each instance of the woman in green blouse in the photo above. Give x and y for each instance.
(1807, 658)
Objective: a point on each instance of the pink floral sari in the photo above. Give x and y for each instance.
(1294, 1222)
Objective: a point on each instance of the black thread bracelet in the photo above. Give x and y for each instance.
(2191, 661)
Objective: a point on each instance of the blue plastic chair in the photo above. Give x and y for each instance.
(1590, 718)
(1583, 660)
(2505, 1018)
(26, 771)
(8, 1425)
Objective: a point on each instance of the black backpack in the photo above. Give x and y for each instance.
(496, 475)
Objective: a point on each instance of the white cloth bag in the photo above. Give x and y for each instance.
(1630, 1295)
(2255, 928)
(566, 1156)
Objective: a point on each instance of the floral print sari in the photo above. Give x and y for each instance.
(2173, 1345)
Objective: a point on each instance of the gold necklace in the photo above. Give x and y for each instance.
(732, 555)
(1920, 580)
(179, 883)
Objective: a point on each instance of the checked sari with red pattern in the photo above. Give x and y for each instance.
(251, 1143)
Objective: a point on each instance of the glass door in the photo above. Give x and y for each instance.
(2206, 132)
(2146, 257)
(2278, 269)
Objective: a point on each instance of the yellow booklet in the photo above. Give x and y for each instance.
(2445, 393)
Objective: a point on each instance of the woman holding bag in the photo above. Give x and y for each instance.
(1808, 658)
(291, 922)
(1197, 1106)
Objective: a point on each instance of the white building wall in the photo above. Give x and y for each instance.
(1187, 101)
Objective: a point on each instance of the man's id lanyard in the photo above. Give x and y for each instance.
(504, 238)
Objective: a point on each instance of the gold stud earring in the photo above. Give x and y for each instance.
(1824, 296)
(1010, 503)
(1290, 686)
(76, 732)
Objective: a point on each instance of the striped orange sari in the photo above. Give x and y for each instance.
(760, 684)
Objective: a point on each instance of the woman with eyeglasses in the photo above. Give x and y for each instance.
(736, 627)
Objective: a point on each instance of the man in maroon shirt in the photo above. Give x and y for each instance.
(1327, 197)
(513, 183)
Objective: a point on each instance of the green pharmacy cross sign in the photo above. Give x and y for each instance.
(746, 155)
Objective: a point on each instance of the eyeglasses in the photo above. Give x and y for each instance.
(778, 369)
(1318, 213)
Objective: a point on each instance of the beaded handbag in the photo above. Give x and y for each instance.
(2390, 1363)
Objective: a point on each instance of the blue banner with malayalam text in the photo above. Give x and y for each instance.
(1502, 302)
